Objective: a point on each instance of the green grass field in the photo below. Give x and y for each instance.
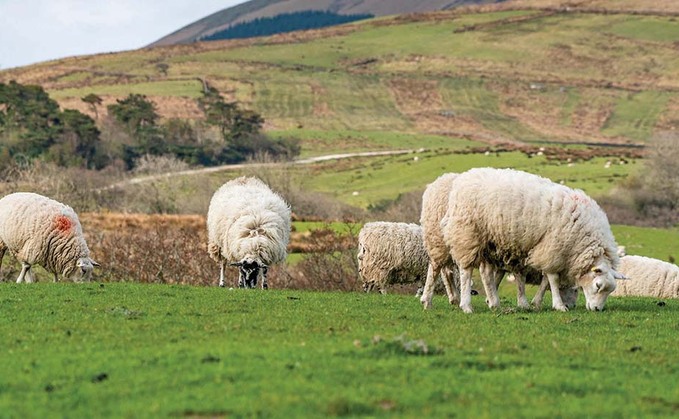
(367, 181)
(130, 350)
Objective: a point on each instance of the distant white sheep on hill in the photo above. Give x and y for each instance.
(40, 230)
(249, 227)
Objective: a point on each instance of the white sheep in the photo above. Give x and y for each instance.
(249, 227)
(648, 278)
(40, 230)
(434, 207)
(543, 225)
(391, 253)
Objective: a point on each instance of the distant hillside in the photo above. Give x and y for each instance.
(257, 9)
(509, 72)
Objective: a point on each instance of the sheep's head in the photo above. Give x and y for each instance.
(598, 283)
(249, 272)
(83, 270)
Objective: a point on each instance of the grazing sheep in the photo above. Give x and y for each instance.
(434, 207)
(545, 226)
(40, 230)
(391, 253)
(249, 227)
(648, 278)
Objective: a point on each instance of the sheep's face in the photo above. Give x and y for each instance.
(250, 272)
(83, 271)
(597, 284)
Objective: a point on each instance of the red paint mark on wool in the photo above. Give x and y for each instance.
(63, 223)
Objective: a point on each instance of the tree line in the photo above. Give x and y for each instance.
(284, 22)
(32, 125)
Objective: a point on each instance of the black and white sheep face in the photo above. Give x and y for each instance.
(250, 272)
(598, 284)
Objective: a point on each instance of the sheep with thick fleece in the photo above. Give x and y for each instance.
(543, 225)
(648, 277)
(40, 230)
(391, 253)
(249, 227)
(434, 207)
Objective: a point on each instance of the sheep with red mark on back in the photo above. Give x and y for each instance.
(40, 230)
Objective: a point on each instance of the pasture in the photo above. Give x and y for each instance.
(135, 350)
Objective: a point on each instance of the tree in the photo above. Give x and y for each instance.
(93, 100)
(80, 136)
(29, 111)
(233, 122)
(136, 112)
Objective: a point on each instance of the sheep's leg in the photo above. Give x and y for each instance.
(557, 303)
(488, 278)
(466, 289)
(428, 292)
(521, 299)
(25, 273)
(30, 278)
(540, 294)
(222, 268)
(56, 278)
(452, 287)
(3, 248)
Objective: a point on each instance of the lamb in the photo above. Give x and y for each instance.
(40, 230)
(249, 227)
(648, 278)
(543, 225)
(391, 253)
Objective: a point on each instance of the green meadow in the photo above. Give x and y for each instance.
(132, 350)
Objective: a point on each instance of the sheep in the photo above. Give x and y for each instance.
(391, 253)
(543, 225)
(249, 227)
(434, 206)
(40, 230)
(648, 278)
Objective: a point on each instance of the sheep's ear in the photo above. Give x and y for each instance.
(618, 275)
(94, 262)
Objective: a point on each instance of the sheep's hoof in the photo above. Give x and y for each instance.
(222, 285)
(467, 309)
(561, 308)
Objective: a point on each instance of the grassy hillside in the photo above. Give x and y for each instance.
(513, 75)
(130, 350)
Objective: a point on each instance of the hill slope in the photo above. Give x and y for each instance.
(267, 8)
(501, 74)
